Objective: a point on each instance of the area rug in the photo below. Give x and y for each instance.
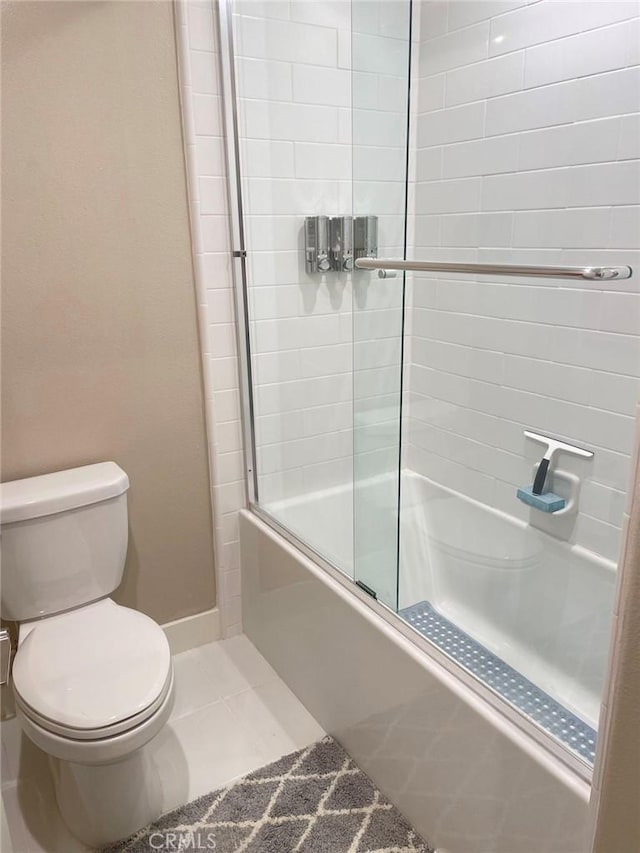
(315, 800)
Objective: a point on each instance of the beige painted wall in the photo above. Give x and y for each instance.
(99, 332)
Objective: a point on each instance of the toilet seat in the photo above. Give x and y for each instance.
(92, 673)
(120, 727)
(105, 750)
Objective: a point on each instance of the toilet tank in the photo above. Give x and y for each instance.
(63, 539)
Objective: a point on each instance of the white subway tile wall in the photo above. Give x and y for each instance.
(527, 151)
(525, 146)
(198, 51)
(304, 150)
(317, 139)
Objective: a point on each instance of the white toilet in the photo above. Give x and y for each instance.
(93, 681)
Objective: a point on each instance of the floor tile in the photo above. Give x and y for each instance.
(34, 821)
(276, 718)
(6, 844)
(235, 665)
(203, 751)
(248, 660)
(195, 687)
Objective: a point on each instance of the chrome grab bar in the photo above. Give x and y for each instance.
(589, 273)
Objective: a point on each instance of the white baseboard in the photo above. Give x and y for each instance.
(192, 631)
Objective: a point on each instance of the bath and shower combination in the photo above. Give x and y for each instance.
(421, 370)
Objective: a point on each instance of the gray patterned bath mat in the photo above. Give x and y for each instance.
(312, 801)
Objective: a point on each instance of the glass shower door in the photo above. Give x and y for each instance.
(322, 105)
(519, 385)
(401, 419)
(381, 55)
(293, 81)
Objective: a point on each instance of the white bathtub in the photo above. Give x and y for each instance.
(469, 779)
(359, 535)
(540, 604)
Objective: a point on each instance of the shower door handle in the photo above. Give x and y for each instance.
(588, 273)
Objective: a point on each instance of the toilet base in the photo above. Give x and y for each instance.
(104, 803)
(108, 789)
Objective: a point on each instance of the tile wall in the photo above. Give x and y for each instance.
(198, 50)
(528, 144)
(317, 139)
(526, 130)
(314, 139)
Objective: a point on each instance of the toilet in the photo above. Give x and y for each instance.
(92, 680)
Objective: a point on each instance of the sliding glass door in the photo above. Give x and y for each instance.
(456, 440)
(381, 58)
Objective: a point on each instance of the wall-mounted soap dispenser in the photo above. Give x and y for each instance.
(332, 242)
(365, 236)
(341, 243)
(316, 244)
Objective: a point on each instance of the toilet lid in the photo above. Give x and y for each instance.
(93, 667)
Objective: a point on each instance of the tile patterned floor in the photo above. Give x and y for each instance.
(232, 715)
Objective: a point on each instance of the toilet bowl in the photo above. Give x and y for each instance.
(92, 680)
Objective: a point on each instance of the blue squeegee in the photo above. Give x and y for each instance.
(535, 495)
